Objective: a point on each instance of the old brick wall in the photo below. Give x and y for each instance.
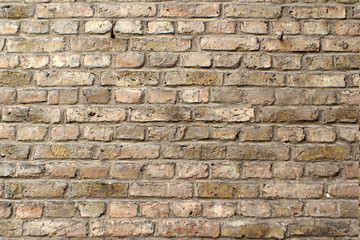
(187, 119)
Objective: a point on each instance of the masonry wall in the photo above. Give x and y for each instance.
(186, 119)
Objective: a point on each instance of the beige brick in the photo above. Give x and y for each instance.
(219, 210)
(65, 10)
(98, 27)
(98, 133)
(258, 61)
(35, 27)
(48, 79)
(341, 44)
(12, 78)
(132, 10)
(187, 209)
(16, 11)
(129, 78)
(129, 60)
(50, 227)
(125, 171)
(29, 210)
(190, 27)
(159, 170)
(36, 45)
(155, 209)
(257, 27)
(161, 96)
(32, 96)
(316, 28)
(66, 60)
(97, 60)
(220, 27)
(7, 132)
(128, 27)
(226, 60)
(98, 44)
(63, 96)
(96, 95)
(34, 62)
(160, 27)
(161, 190)
(291, 44)
(123, 209)
(95, 114)
(321, 134)
(130, 132)
(9, 27)
(191, 10)
(247, 11)
(65, 26)
(161, 44)
(9, 61)
(32, 133)
(121, 228)
(196, 60)
(257, 208)
(188, 228)
(91, 209)
(193, 78)
(257, 170)
(317, 12)
(286, 27)
(192, 170)
(163, 59)
(229, 43)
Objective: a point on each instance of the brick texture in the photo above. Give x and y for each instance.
(149, 119)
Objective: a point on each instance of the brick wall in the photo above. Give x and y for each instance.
(187, 119)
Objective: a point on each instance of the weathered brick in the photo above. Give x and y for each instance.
(34, 61)
(341, 44)
(194, 95)
(187, 209)
(91, 209)
(98, 44)
(97, 60)
(251, 11)
(292, 190)
(316, 28)
(225, 171)
(286, 208)
(99, 95)
(291, 44)
(63, 151)
(128, 27)
(322, 152)
(190, 27)
(348, 209)
(288, 170)
(222, 27)
(27, 170)
(14, 151)
(65, 26)
(160, 27)
(193, 78)
(321, 209)
(347, 62)
(126, 171)
(257, 208)
(161, 44)
(48, 79)
(256, 133)
(5, 211)
(343, 190)
(50, 227)
(62, 170)
(240, 114)
(192, 170)
(224, 133)
(123, 209)
(341, 114)
(98, 189)
(227, 190)
(220, 210)
(64, 133)
(6, 170)
(285, 27)
(129, 151)
(346, 28)
(9, 61)
(32, 96)
(188, 228)
(322, 169)
(196, 60)
(161, 190)
(128, 132)
(255, 79)
(129, 78)
(290, 97)
(321, 134)
(98, 27)
(257, 170)
(316, 12)
(69, 10)
(35, 189)
(229, 43)
(9, 27)
(126, 10)
(93, 172)
(159, 170)
(95, 114)
(36, 45)
(317, 62)
(155, 209)
(11, 228)
(190, 10)
(247, 229)
(258, 61)
(35, 27)
(321, 97)
(288, 114)
(160, 113)
(258, 152)
(29, 210)
(129, 60)
(257, 27)
(226, 60)
(327, 228)
(66, 60)
(7, 132)
(16, 11)
(120, 228)
(162, 59)
(32, 133)
(12, 78)
(161, 96)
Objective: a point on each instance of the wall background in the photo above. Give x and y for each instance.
(213, 119)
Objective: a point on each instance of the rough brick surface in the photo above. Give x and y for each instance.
(149, 119)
